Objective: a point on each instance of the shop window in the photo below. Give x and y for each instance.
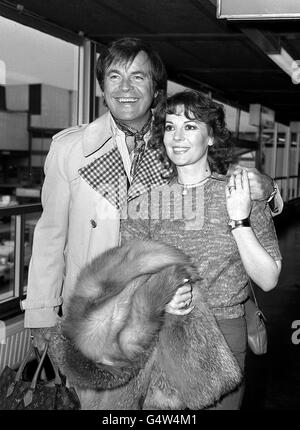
(7, 257)
(38, 98)
(38, 91)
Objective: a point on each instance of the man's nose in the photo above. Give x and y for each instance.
(126, 84)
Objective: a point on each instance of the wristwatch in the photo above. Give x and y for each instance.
(239, 223)
(275, 189)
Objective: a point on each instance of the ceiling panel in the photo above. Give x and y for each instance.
(198, 50)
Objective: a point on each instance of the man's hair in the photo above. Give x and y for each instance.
(124, 51)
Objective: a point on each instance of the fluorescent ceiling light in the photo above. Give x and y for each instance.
(286, 62)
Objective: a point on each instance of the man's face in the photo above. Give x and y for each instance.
(128, 90)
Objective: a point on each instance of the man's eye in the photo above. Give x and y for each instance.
(113, 77)
(138, 78)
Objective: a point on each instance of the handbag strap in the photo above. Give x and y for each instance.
(252, 295)
(57, 378)
(38, 370)
(23, 364)
(29, 395)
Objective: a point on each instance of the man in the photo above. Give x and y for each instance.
(81, 214)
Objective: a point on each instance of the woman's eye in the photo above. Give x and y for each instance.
(190, 127)
(168, 127)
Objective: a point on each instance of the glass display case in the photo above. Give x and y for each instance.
(17, 223)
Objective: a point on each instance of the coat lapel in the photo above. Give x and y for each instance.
(107, 176)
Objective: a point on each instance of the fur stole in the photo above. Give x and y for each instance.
(117, 340)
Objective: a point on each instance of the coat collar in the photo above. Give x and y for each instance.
(107, 176)
(96, 134)
(148, 175)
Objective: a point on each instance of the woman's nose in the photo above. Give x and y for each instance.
(179, 134)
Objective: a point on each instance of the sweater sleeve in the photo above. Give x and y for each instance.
(264, 229)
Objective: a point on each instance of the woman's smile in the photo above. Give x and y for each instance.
(178, 150)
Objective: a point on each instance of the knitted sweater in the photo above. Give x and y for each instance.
(197, 223)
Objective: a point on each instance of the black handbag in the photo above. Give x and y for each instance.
(256, 328)
(17, 393)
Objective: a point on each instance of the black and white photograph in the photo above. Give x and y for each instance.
(149, 208)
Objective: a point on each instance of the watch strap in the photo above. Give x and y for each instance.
(239, 223)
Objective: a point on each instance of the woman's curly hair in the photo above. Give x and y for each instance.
(199, 107)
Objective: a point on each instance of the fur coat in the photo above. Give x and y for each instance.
(117, 341)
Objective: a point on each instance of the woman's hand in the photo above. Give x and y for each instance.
(261, 185)
(238, 198)
(181, 303)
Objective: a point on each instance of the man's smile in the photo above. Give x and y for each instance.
(126, 99)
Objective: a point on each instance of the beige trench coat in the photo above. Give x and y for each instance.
(77, 223)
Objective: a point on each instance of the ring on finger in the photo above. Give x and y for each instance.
(187, 303)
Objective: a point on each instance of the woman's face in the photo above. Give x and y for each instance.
(186, 140)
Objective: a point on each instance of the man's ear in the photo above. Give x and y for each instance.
(104, 101)
(154, 101)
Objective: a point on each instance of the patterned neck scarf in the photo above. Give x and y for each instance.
(137, 147)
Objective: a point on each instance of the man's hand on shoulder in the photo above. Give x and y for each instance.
(261, 185)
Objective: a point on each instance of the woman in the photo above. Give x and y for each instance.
(208, 217)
